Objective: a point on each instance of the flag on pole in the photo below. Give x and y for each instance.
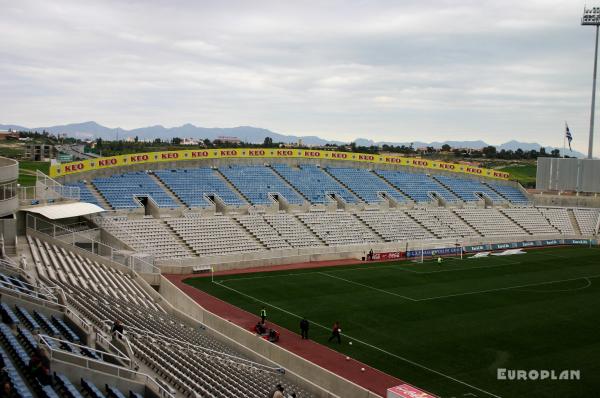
(568, 135)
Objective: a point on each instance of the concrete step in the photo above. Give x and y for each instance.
(103, 202)
(574, 222)
(286, 182)
(167, 190)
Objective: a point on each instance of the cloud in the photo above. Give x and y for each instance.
(428, 69)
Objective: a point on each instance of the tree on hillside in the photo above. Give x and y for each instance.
(446, 148)
(489, 151)
(176, 141)
(268, 142)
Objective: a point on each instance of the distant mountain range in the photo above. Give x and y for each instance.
(248, 134)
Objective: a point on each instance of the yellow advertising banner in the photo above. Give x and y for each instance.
(63, 169)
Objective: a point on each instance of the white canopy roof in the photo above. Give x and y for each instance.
(65, 210)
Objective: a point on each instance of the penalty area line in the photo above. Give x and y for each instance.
(510, 288)
(416, 364)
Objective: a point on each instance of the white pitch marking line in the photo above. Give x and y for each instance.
(400, 267)
(367, 286)
(588, 284)
(507, 288)
(364, 343)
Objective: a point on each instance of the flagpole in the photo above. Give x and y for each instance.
(564, 141)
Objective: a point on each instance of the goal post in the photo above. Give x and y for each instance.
(425, 250)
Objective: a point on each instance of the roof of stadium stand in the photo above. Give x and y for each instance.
(65, 210)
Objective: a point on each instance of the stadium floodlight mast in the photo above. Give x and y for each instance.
(591, 16)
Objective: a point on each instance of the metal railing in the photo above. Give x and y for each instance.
(194, 348)
(82, 240)
(103, 355)
(47, 189)
(101, 365)
(30, 291)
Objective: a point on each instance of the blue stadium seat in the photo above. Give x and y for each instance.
(256, 182)
(46, 324)
(85, 195)
(8, 316)
(114, 392)
(65, 330)
(313, 183)
(365, 184)
(91, 389)
(65, 385)
(14, 346)
(512, 194)
(192, 186)
(27, 338)
(14, 376)
(28, 319)
(48, 392)
(417, 186)
(468, 189)
(119, 190)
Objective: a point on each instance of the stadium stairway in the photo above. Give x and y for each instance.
(165, 188)
(249, 233)
(407, 198)
(574, 222)
(177, 237)
(449, 188)
(231, 186)
(324, 169)
(288, 184)
(103, 202)
(425, 227)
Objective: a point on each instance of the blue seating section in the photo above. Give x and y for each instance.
(15, 378)
(313, 183)
(91, 389)
(85, 195)
(466, 189)
(417, 185)
(48, 392)
(20, 347)
(66, 386)
(65, 330)
(513, 194)
(119, 190)
(27, 338)
(365, 184)
(26, 316)
(190, 185)
(14, 346)
(16, 284)
(113, 392)
(255, 182)
(48, 327)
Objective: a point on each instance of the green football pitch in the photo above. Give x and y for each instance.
(447, 327)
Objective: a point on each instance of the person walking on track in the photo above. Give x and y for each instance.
(304, 328)
(335, 333)
(263, 314)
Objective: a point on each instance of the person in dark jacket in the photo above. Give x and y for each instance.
(117, 329)
(263, 314)
(335, 332)
(304, 328)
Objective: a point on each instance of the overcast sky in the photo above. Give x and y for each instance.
(385, 70)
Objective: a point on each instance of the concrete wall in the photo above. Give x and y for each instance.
(316, 379)
(325, 253)
(579, 175)
(545, 199)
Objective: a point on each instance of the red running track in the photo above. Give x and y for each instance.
(372, 379)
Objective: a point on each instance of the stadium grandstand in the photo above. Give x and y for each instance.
(92, 257)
